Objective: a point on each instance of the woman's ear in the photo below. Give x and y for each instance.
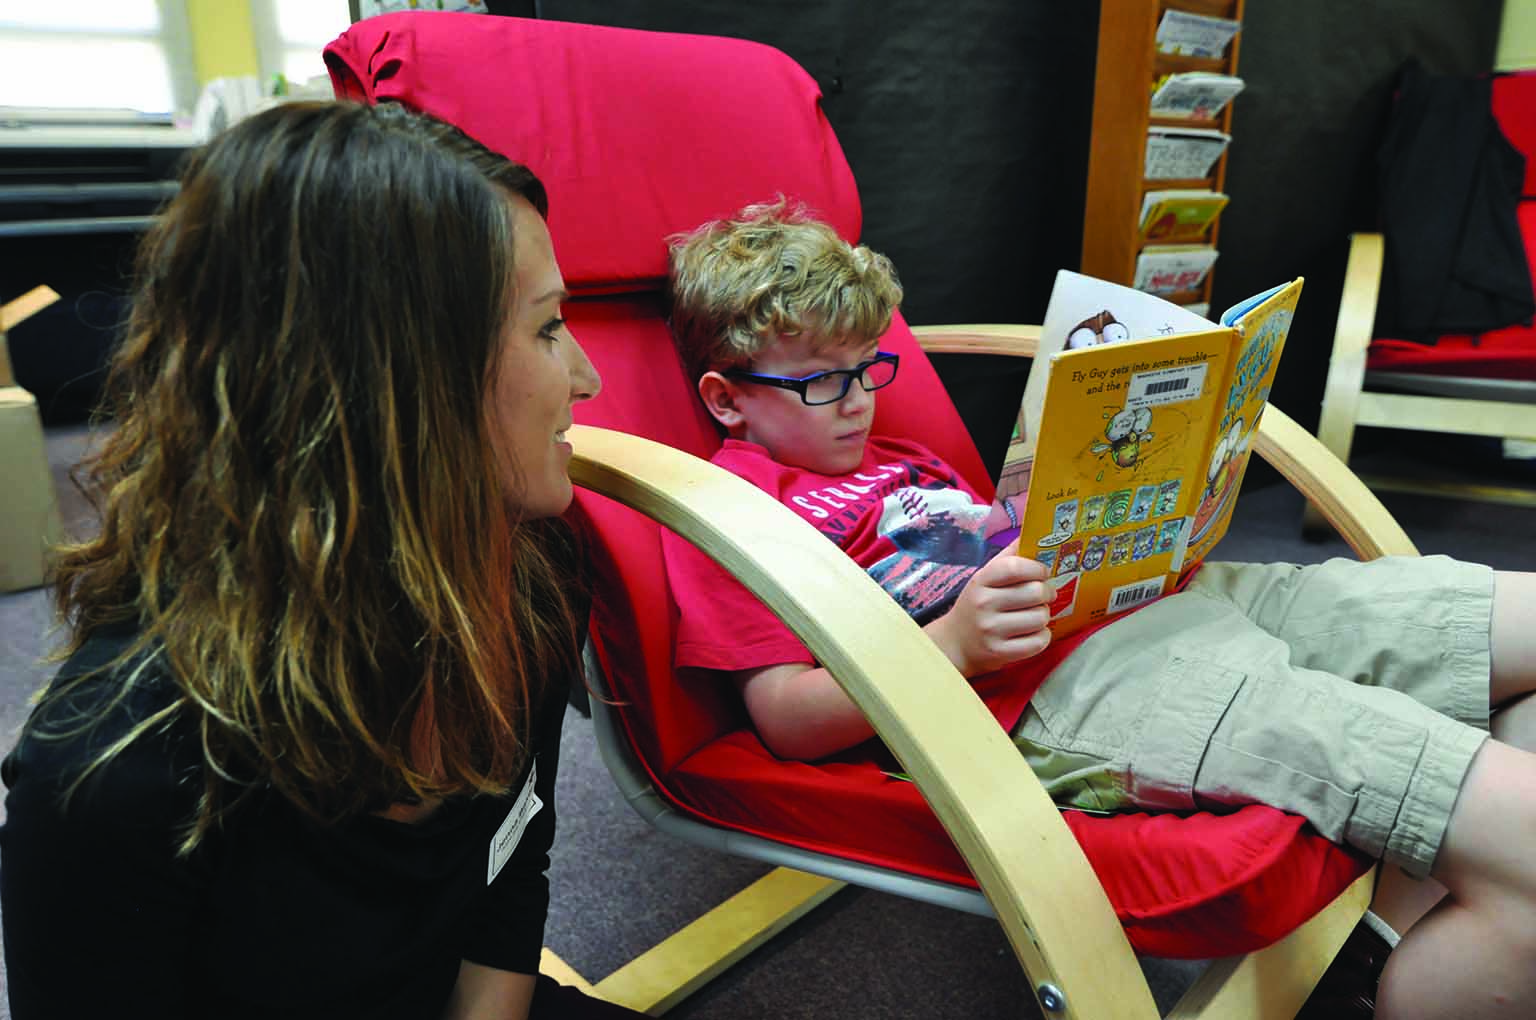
(720, 399)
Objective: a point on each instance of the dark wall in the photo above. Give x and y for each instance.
(968, 125)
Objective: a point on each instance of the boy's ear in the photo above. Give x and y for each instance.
(719, 396)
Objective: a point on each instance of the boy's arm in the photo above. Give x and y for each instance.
(801, 712)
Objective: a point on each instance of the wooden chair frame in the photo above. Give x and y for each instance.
(1029, 866)
(1442, 404)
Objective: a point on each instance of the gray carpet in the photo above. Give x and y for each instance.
(620, 886)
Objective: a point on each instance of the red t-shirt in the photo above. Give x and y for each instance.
(904, 516)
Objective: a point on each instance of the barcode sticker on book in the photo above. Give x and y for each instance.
(1171, 385)
(1129, 596)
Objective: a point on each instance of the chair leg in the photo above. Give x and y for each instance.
(680, 965)
(552, 966)
(1274, 982)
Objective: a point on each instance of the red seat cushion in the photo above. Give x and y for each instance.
(1508, 353)
(639, 135)
(615, 123)
(1514, 107)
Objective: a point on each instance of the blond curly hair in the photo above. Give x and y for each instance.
(773, 270)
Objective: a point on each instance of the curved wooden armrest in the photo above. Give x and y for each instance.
(1019, 341)
(1026, 860)
(1328, 483)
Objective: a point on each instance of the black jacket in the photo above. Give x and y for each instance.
(1450, 183)
(273, 915)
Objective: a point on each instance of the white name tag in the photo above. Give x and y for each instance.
(511, 832)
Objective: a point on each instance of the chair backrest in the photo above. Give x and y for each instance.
(638, 136)
(1514, 106)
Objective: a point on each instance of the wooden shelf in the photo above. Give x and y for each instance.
(1214, 8)
(1200, 238)
(1185, 122)
(1186, 297)
(1170, 183)
(1128, 66)
(1173, 63)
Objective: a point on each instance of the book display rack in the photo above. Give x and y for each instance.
(1155, 179)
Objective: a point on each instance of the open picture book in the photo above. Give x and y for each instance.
(1132, 438)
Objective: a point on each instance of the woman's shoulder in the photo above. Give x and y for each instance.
(99, 701)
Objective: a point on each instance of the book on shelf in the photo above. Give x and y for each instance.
(1179, 212)
(1136, 426)
(1183, 33)
(1172, 268)
(1194, 94)
(1181, 152)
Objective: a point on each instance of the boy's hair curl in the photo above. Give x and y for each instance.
(773, 270)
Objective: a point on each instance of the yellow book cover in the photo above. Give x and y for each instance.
(1179, 213)
(1134, 451)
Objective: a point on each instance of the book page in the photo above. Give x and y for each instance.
(1172, 268)
(1194, 35)
(1199, 95)
(1117, 470)
(1183, 152)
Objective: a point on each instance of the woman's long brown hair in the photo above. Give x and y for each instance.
(301, 509)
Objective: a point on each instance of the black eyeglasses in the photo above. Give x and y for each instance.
(829, 387)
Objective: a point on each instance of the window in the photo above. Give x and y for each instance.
(97, 54)
(290, 35)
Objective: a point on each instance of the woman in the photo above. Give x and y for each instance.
(300, 759)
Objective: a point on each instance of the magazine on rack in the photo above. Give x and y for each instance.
(1135, 428)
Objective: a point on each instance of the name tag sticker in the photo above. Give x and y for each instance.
(510, 834)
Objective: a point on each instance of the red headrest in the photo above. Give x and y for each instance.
(615, 123)
(1514, 104)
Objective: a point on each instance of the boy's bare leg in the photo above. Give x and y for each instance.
(1400, 900)
(1473, 957)
(1513, 641)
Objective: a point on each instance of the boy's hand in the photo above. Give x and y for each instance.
(1000, 616)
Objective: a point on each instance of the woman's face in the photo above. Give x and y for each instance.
(541, 374)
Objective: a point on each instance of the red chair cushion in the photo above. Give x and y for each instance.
(629, 145)
(1514, 106)
(632, 149)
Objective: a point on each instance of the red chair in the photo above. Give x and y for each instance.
(1479, 385)
(639, 135)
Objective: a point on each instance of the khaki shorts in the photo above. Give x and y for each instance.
(1353, 694)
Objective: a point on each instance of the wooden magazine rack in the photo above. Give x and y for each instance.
(1128, 65)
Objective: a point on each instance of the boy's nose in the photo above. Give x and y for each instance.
(855, 400)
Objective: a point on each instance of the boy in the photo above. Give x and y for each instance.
(1356, 695)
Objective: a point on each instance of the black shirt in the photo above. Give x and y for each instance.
(273, 914)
